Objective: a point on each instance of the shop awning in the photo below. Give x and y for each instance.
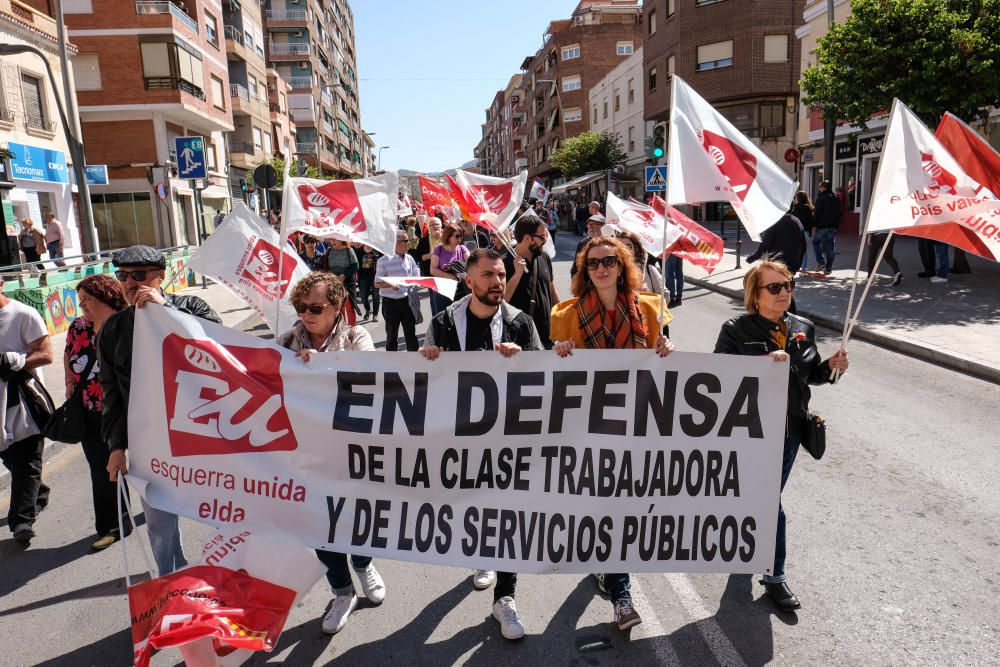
(579, 182)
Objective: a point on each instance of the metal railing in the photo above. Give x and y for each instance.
(297, 82)
(173, 83)
(37, 122)
(305, 147)
(6, 115)
(165, 7)
(233, 33)
(236, 90)
(286, 14)
(31, 269)
(288, 49)
(241, 147)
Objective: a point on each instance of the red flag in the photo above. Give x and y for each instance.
(434, 194)
(236, 609)
(487, 201)
(696, 244)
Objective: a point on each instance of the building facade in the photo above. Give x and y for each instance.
(616, 106)
(311, 46)
(740, 55)
(149, 71)
(38, 178)
(575, 55)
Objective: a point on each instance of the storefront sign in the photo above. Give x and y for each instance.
(32, 163)
(846, 150)
(871, 145)
(97, 174)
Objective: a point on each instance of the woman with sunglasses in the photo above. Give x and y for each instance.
(450, 250)
(768, 328)
(319, 299)
(608, 312)
(313, 253)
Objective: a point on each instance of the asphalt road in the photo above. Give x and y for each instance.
(893, 550)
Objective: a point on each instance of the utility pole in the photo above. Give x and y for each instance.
(829, 124)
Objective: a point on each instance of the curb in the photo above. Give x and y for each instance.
(907, 346)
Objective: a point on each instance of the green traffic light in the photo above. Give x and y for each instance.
(657, 152)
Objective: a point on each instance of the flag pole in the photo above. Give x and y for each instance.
(868, 284)
(282, 242)
(666, 207)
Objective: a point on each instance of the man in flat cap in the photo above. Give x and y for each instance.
(141, 270)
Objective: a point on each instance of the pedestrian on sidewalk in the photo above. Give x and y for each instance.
(320, 300)
(396, 308)
(826, 221)
(608, 312)
(933, 252)
(768, 328)
(482, 320)
(99, 297)
(54, 239)
(875, 243)
(802, 208)
(24, 348)
(140, 270)
(30, 241)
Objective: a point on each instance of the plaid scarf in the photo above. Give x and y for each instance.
(627, 331)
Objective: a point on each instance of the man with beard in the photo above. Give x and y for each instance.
(484, 321)
(530, 287)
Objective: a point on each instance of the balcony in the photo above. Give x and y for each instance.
(303, 115)
(173, 83)
(150, 7)
(286, 18)
(303, 148)
(23, 13)
(289, 50)
(299, 82)
(243, 147)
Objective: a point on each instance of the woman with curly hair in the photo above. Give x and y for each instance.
(99, 297)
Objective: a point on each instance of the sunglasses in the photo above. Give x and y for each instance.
(137, 276)
(609, 262)
(775, 288)
(314, 308)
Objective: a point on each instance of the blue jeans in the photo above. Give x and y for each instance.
(55, 252)
(777, 575)
(619, 587)
(941, 253)
(805, 255)
(824, 245)
(336, 570)
(164, 538)
(675, 276)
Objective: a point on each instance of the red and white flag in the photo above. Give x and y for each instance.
(710, 160)
(361, 211)
(922, 189)
(442, 286)
(643, 221)
(695, 243)
(487, 201)
(242, 254)
(538, 191)
(434, 194)
(404, 207)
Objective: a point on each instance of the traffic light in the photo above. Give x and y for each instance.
(659, 140)
(243, 184)
(648, 147)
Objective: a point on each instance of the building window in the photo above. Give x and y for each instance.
(77, 7)
(631, 138)
(268, 146)
(700, 3)
(618, 101)
(571, 83)
(604, 106)
(772, 120)
(651, 22)
(652, 79)
(631, 91)
(573, 114)
(87, 71)
(124, 219)
(714, 56)
(570, 52)
(776, 48)
(671, 62)
(210, 161)
(218, 96)
(624, 48)
(33, 96)
(212, 30)
(671, 7)
(166, 65)
(258, 138)
(593, 116)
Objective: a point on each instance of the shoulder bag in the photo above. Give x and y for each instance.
(68, 422)
(814, 436)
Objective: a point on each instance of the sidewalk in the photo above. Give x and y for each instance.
(956, 324)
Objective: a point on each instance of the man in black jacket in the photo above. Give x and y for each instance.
(141, 270)
(826, 218)
(484, 321)
(785, 240)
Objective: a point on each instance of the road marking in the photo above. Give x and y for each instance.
(704, 620)
(651, 628)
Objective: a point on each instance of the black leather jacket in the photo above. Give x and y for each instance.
(114, 350)
(751, 335)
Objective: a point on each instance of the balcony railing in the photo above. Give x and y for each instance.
(37, 122)
(6, 115)
(173, 83)
(165, 7)
(241, 147)
(305, 147)
(233, 33)
(286, 14)
(295, 82)
(236, 90)
(289, 49)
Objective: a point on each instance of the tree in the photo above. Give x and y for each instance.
(587, 152)
(934, 55)
(279, 166)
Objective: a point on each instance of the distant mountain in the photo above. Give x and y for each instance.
(438, 174)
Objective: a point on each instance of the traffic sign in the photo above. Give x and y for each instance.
(191, 157)
(656, 178)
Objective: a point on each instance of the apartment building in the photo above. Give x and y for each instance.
(311, 46)
(283, 130)
(149, 71)
(616, 106)
(576, 53)
(36, 180)
(501, 149)
(740, 55)
(488, 150)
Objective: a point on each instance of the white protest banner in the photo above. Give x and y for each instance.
(538, 191)
(361, 211)
(710, 160)
(443, 286)
(644, 222)
(612, 460)
(242, 254)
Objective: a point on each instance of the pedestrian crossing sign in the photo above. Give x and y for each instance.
(656, 178)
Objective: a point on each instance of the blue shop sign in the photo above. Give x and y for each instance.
(96, 174)
(31, 163)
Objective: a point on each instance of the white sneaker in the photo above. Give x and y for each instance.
(506, 614)
(483, 579)
(340, 609)
(938, 279)
(372, 584)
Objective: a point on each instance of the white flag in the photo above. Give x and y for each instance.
(921, 189)
(710, 160)
(443, 286)
(361, 211)
(243, 256)
(538, 191)
(404, 207)
(643, 221)
(487, 201)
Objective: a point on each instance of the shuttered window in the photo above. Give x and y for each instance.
(87, 71)
(31, 94)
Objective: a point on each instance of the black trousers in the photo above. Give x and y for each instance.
(926, 249)
(370, 298)
(102, 488)
(28, 496)
(878, 240)
(506, 584)
(397, 312)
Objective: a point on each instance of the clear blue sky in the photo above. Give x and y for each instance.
(433, 125)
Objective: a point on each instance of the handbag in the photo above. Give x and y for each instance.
(68, 422)
(414, 300)
(814, 436)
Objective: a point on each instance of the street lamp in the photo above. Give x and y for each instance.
(75, 145)
(378, 166)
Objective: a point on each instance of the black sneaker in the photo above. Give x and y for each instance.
(625, 615)
(23, 533)
(896, 279)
